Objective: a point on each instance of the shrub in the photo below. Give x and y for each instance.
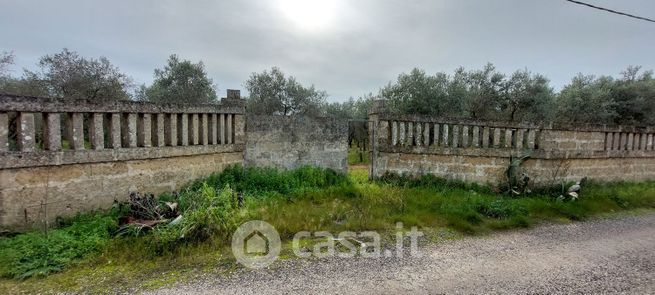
(38, 254)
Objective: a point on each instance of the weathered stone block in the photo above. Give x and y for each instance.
(4, 132)
(144, 130)
(26, 132)
(52, 131)
(115, 131)
(96, 131)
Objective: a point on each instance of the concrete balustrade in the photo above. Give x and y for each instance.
(90, 127)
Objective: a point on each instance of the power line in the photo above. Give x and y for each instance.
(612, 11)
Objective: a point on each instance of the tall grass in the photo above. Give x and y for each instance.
(303, 199)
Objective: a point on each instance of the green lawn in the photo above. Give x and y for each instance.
(86, 254)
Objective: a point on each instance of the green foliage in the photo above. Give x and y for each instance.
(260, 182)
(38, 254)
(272, 93)
(66, 74)
(482, 94)
(302, 199)
(180, 81)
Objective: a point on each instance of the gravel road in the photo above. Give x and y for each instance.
(604, 256)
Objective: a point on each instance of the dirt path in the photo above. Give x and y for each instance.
(601, 256)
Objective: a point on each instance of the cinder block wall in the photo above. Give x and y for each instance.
(480, 151)
(290, 142)
(88, 154)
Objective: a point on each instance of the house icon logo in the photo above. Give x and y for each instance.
(256, 244)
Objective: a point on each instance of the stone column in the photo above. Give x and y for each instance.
(476, 137)
(629, 141)
(4, 132)
(643, 138)
(532, 134)
(129, 132)
(52, 131)
(170, 132)
(75, 133)
(465, 136)
(213, 129)
(115, 131)
(608, 141)
(426, 134)
(26, 132)
(221, 128)
(96, 131)
(456, 136)
(228, 130)
(239, 129)
(144, 130)
(436, 134)
(158, 136)
(445, 135)
(508, 138)
(617, 141)
(402, 139)
(486, 134)
(183, 130)
(418, 135)
(519, 136)
(194, 131)
(649, 142)
(410, 134)
(394, 133)
(496, 138)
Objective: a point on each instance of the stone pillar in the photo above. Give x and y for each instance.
(129, 132)
(183, 130)
(617, 141)
(508, 138)
(426, 134)
(52, 131)
(144, 130)
(418, 134)
(628, 144)
(170, 132)
(4, 132)
(486, 134)
(221, 127)
(496, 137)
(213, 129)
(158, 135)
(228, 130)
(532, 134)
(75, 133)
(608, 141)
(410, 134)
(519, 138)
(394, 133)
(26, 132)
(194, 133)
(96, 131)
(115, 131)
(625, 137)
(476, 137)
(642, 143)
(204, 129)
(649, 142)
(457, 136)
(402, 139)
(465, 136)
(239, 129)
(436, 134)
(445, 135)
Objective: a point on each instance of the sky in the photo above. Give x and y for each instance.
(347, 48)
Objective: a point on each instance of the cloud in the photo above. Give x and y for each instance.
(363, 45)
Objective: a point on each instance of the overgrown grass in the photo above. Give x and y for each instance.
(304, 199)
(356, 156)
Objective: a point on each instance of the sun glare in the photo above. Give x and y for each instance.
(309, 14)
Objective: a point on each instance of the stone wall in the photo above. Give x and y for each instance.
(480, 152)
(290, 142)
(60, 157)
